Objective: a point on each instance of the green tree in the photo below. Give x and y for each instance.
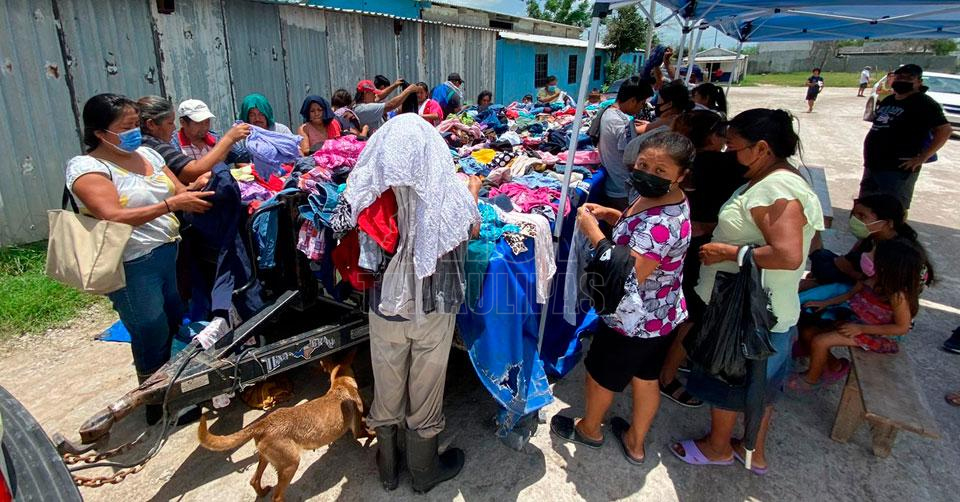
(943, 47)
(626, 32)
(572, 12)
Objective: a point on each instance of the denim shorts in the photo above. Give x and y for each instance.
(719, 394)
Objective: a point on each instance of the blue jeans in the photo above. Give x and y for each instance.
(150, 307)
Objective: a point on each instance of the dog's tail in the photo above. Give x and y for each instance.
(228, 442)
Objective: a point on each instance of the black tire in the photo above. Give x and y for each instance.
(34, 470)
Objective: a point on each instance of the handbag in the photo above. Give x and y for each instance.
(736, 325)
(83, 252)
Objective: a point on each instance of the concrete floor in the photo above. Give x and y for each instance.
(805, 463)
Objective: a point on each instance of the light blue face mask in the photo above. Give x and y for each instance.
(129, 140)
(552, 88)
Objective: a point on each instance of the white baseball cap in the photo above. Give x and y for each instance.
(195, 110)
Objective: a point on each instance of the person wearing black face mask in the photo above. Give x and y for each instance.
(674, 99)
(908, 129)
(631, 343)
(714, 177)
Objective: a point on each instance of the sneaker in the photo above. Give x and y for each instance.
(953, 343)
(797, 384)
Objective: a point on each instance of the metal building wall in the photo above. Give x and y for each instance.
(256, 55)
(193, 53)
(214, 50)
(307, 60)
(42, 131)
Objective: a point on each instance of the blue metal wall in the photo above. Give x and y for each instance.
(402, 8)
(515, 68)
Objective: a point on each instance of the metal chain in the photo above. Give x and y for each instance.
(89, 458)
(98, 481)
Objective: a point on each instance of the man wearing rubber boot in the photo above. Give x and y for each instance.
(406, 170)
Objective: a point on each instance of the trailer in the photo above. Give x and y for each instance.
(301, 323)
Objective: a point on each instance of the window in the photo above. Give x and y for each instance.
(572, 70)
(597, 68)
(540, 71)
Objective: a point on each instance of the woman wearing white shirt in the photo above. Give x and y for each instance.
(119, 180)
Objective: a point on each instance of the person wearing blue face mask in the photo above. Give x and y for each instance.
(157, 124)
(550, 93)
(122, 181)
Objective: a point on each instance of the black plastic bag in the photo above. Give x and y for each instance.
(736, 325)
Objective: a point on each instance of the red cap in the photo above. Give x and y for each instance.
(367, 86)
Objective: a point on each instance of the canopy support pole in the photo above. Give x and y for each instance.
(683, 40)
(736, 66)
(600, 10)
(693, 54)
(651, 26)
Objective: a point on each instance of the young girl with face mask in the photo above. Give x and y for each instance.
(874, 218)
(873, 315)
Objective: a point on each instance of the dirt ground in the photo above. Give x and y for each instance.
(64, 376)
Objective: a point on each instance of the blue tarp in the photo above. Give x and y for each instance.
(500, 333)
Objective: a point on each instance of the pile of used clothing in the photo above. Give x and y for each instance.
(518, 151)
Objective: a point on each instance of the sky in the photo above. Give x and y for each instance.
(669, 33)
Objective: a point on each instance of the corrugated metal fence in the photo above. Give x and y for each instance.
(54, 54)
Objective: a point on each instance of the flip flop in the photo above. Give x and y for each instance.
(620, 427)
(953, 398)
(693, 455)
(759, 471)
(683, 399)
(565, 428)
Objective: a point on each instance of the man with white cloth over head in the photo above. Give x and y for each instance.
(413, 308)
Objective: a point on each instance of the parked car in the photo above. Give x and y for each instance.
(944, 88)
(30, 467)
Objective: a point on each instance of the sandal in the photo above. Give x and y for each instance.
(953, 398)
(831, 377)
(693, 456)
(620, 428)
(565, 428)
(759, 471)
(676, 392)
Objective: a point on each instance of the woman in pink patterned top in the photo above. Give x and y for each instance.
(632, 342)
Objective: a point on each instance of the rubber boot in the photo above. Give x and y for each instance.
(427, 467)
(388, 456)
(154, 412)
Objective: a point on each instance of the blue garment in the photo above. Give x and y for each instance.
(150, 307)
(470, 166)
(269, 149)
(215, 253)
(475, 269)
(539, 180)
(321, 205)
(265, 230)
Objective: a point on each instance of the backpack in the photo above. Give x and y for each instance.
(594, 130)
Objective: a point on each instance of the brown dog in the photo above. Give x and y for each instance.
(281, 435)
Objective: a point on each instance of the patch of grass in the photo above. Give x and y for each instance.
(799, 79)
(30, 302)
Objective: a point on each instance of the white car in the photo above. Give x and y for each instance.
(944, 88)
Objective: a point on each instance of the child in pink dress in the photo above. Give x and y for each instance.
(880, 309)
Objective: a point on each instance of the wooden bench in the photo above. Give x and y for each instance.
(882, 390)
